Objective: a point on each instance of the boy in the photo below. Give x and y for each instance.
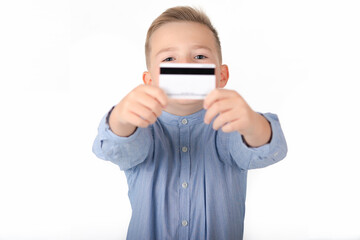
(186, 161)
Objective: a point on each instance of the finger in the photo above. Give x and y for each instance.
(218, 107)
(232, 126)
(215, 95)
(136, 120)
(224, 118)
(143, 112)
(156, 93)
(151, 103)
(211, 97)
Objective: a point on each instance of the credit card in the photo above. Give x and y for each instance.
(187, 80)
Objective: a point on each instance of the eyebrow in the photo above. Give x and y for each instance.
(165, 50)
(174, 48)
(201, 46)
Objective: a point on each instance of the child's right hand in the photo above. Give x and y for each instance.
(140, 108)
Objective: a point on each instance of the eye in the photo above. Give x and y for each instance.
(200, 57)
(168, 59)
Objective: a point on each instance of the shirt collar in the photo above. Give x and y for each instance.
(191, 119)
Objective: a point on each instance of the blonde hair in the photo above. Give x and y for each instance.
(180, 14)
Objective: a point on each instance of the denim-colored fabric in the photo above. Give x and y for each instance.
(187, 181)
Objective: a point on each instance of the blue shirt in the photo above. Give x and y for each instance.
(186, 180)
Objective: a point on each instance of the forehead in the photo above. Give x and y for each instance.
(176, 34)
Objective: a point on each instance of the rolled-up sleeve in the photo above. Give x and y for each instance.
(126, 152)
(235, 149)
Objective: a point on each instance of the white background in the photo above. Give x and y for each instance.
(63, 64)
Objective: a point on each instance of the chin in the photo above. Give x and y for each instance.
(187, 101)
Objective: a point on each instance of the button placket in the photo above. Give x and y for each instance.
(184, 223)
(184, 121)
(184, 177)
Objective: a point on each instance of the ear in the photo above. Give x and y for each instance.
(224, 75)
(147, 78)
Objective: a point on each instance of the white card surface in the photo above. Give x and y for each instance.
(187, 80)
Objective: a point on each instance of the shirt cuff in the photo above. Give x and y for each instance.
(257, 157)
(110, 135)
(123, 151)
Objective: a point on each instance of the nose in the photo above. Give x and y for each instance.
(187, 59)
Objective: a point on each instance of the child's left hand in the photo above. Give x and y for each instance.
(236, 115)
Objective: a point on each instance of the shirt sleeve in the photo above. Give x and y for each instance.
(126, 152)
(232, 147)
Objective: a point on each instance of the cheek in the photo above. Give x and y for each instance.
(155, 72)
(218, 76)
(155, 82)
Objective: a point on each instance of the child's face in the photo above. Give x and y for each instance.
(184, 42)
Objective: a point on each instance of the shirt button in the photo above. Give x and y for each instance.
(184, 149)
(184, 223)
(184, 121)
(184, 185)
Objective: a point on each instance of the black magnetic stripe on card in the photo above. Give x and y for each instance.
(190, 71)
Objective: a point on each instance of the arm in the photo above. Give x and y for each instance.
(262, 156)
(140, 108)
(236, 115)
(126, 152)
(233, 148)
(124, 137)
(250, 139)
